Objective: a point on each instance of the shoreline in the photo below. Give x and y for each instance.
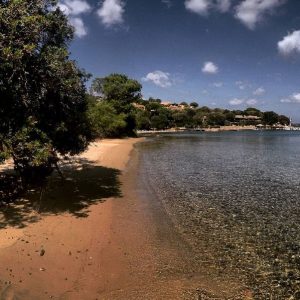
(186, 130)
(61, 252)
(121, 245)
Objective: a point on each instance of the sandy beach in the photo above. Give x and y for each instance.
(95, 236)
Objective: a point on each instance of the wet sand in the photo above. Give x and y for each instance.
(98, 235)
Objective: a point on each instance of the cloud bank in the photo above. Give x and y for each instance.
(295, 98)
(237, 101)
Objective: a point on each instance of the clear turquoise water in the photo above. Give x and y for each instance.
(235, 198)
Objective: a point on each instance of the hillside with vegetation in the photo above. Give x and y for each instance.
(120, 98)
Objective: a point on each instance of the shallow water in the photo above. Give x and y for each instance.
(235, 198)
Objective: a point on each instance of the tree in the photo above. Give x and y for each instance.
(204, 109)
(183, 104)
(121, 92)
(152, 106)
(159, 122)
(284, 120)
(42, 91)
(270, 118)
(105, 121)
(161, 118)
(230, 116)
(118, 88)
(180, 118)
(199, 118)
(154, 100)
(96, 87)
(194, 104)
(143, 120)
(251, 111)
(216, 119)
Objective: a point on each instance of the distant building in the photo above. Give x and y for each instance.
(166, 103)
(139, 106)
(246, 118)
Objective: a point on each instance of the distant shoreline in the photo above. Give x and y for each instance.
(182, 130)
(218, 129)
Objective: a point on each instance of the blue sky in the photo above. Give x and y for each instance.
(220, 53)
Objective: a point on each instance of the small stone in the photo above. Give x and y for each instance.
(42, 252)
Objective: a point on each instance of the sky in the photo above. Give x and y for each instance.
(220, 53)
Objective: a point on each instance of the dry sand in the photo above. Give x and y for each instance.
(95, 237)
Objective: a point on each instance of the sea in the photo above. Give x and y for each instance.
(234, 197)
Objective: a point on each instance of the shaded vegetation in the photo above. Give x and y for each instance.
(120, 92)
(42, 91)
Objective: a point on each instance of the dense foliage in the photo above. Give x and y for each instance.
(120, 92)
(42, 91)
(157, 116)
(104, 119)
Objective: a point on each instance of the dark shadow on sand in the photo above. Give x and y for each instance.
(83, 186)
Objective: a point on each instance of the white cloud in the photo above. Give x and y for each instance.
(73, 9)
(111, 12)
(218, 84)
(260, 91)
(168, 3)
(295, 98)
(210, 68)
(242, 85)
(223, 5)
(197, 6)
(290, 43)
(80, 29)
(202, 7)
(251, 12)
(236, 101)
(64, 8)
(159, 78)
(251, 101)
